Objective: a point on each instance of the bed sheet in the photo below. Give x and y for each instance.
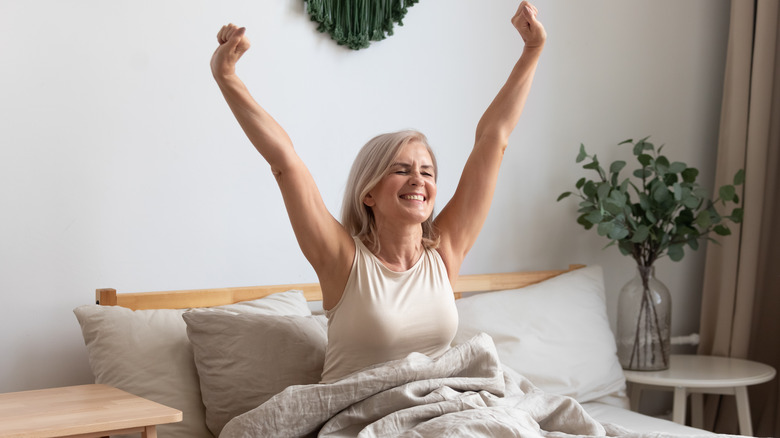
(636, 422)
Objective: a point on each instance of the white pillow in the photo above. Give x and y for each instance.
(147, 353)
(555, 333)
(245, 359)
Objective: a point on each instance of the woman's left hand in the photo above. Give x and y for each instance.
(530, 28)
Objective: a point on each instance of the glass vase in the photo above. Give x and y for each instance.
(643, 323)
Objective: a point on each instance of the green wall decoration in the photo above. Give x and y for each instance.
(355, 23)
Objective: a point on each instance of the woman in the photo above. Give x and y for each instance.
(386, 273)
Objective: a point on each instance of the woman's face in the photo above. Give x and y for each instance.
(406, 194)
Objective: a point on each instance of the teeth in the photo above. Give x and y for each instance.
(414, 197)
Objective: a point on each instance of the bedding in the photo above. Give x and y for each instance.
(239, 370)
(148, 353)
(556, 333)
(463, 393)
(540, 358)
(634, 421)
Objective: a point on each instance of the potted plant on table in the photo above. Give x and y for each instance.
(657, 213)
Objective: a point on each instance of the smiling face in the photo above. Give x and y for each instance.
(406, 194)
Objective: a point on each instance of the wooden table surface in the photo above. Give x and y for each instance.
(85, 410)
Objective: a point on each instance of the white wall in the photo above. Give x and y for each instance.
(121, 166)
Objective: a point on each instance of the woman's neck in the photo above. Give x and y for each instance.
(399, 250)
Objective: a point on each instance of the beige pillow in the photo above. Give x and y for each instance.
(243, 359)
(147, 353)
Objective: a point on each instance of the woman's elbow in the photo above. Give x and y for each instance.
(493, 140)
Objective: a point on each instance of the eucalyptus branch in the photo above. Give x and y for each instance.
(666, 211)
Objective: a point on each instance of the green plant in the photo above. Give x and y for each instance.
(659, 212)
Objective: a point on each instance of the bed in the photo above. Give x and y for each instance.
(246, 361)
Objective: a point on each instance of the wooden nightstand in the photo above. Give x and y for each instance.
(81, 411)
(697, 375)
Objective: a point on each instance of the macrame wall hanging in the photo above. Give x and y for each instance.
(355, 23)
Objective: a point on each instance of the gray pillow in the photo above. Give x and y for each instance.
(245, 359)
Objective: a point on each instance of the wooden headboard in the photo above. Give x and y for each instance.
(184, 299)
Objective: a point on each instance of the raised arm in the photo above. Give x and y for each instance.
(324, 242)
(462, 218)
(263, 131)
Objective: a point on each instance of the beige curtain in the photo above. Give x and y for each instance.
(741, 297)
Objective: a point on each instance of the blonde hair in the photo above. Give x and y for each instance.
(371, 165)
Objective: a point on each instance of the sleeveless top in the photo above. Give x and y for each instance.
(385, 315)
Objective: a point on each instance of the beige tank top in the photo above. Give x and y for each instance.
(385, 315)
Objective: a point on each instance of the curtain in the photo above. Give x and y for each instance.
(741, 291)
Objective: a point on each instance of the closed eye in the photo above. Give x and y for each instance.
(405, 169)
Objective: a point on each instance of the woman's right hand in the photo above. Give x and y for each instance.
(233, 43)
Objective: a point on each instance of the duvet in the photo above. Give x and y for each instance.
(463, 393)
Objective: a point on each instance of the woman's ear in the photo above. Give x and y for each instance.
(368, 200)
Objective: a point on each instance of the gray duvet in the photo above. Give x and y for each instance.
(463, 393)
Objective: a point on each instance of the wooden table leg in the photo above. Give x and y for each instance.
(680, 400)
(743, 411)
(149, 432)
(697, 410)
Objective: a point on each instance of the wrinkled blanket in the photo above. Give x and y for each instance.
(464, 393)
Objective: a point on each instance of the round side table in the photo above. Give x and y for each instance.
(697, 375)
